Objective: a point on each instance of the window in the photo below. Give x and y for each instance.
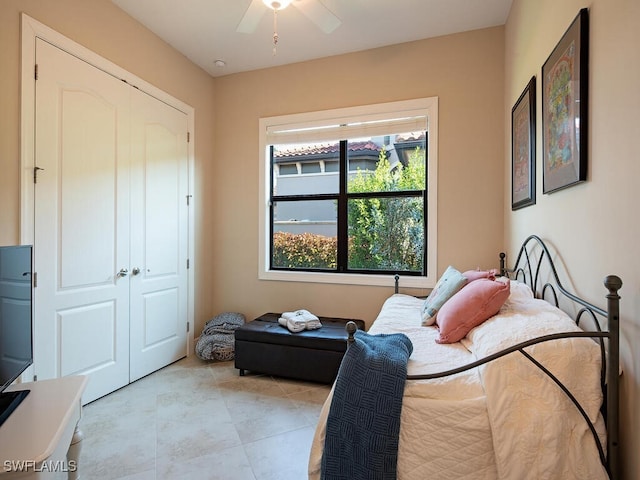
(348, 196)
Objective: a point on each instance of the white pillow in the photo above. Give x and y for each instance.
(520, 292)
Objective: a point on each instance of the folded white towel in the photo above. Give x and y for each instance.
(313, 325)
(304, 315)
(294, 326)
(299, 320)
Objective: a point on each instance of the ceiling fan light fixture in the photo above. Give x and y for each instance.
(277, 4)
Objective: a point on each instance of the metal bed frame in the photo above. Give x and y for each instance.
(533, 255)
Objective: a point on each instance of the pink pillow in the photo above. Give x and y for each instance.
(472, 275)
(475, 303)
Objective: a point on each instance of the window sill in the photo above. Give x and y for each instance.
(346, 279)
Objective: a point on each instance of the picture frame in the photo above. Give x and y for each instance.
(523, 148)
(565, 108)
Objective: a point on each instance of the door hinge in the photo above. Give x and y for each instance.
(35, 71)
(187, 327)
(187, 264)
(188, 137)
(35, 174)
(189, 200)
(35, 279)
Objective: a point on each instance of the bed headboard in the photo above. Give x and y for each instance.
(534, 266)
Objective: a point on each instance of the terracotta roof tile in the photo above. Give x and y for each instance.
(407, 137)
(324, 149)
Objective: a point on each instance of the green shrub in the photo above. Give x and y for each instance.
(304, 250)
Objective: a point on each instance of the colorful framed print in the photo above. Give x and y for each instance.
(565, 107)
(523, 148)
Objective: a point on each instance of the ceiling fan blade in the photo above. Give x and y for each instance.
(318, 14)
(252, 17)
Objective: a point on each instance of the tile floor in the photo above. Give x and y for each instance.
(201, 420)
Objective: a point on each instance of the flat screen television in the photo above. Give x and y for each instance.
(16, 339)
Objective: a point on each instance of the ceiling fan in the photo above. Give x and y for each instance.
(312, 9)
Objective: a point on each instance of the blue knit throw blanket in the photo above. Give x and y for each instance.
(363, 425)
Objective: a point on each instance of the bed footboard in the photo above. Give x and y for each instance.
(535, 267)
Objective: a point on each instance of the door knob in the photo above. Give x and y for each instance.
(122, 273)
(135, 271)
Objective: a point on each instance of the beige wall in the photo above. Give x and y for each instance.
(594, 225)
(108, 31)
(465, 71)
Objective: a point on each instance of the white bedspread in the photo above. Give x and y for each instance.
(504, 420)
(537, 431)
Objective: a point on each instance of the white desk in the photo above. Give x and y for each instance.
(35, 440)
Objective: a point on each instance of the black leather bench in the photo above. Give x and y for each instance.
(265, 346)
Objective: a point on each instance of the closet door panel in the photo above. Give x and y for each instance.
(81, 223)
(159, 235)
(87, 184)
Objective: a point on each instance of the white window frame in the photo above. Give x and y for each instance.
(293, 126)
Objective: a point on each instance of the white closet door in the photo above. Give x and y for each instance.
(159, 234)
(81, 236)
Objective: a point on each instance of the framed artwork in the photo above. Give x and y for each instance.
(564, 108)
(523, 148)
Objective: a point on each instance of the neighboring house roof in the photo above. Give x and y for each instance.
(324, 150)
(411, 136)
(407, 143)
